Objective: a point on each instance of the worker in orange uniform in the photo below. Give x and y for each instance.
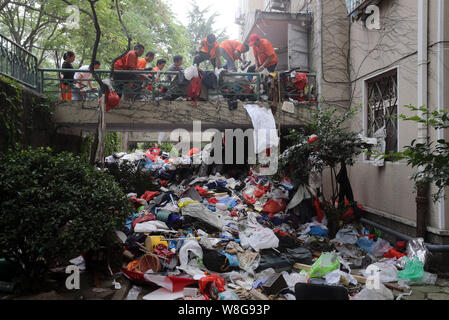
(231, 50)
(142, 63)
(263, 53)
(208, 50)
(160, 65)
(128, 62)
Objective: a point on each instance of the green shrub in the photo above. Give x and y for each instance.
(53, 205)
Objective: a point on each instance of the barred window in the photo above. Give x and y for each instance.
(382, 93)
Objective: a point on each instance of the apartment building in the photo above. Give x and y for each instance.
(379, 55)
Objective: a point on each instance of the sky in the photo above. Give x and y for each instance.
(225, 8)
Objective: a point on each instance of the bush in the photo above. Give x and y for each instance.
(53, 205)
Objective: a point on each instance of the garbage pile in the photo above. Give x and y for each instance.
(224, 238)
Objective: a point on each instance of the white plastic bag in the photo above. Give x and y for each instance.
(383, 293)
(260, 239)
(334, 277)
(387, 272)
(191, 72)
(189, 246)
(265, 132)
(347, 235)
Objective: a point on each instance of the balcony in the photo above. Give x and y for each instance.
(289, 34)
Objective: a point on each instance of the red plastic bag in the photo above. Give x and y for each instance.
(274, 206)
(149, 195)
(194, 89)
(206, 285)
(112, 100)
(392, 253)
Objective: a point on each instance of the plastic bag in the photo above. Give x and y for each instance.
(189, 246)
(417, 248)
(191, 72)
(380, 247)
(387, 272)
(334, 277)
(133, 294)
(347, 235)
(413, 271)
(383, 293)
(260, 239)
(325, 264)
(197, 210)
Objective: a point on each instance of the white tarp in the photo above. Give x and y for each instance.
(265, 133)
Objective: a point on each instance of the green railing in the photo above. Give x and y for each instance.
(18, 63)
(153, 86)
(307, 92)
(133, 84)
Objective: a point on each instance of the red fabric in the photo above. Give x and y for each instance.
(205, 282)
(300, 81)
(194, 89)
(212, 200)
(164, 183)
(201, 191)
(274, 206)
(149, 195)
(249, 199)
(319, 212)
(145, 218)
(139, 277)
(392, 253)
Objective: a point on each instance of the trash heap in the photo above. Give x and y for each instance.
(224, 238)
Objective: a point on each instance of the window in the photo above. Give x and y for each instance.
(382, 104)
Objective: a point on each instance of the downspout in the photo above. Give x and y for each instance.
(431, 247)
(319, 15)
(422, 198)
(440, 92)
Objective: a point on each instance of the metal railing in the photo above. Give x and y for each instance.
(155, 86)
(172, 86)
(305, 92)
(18, 63)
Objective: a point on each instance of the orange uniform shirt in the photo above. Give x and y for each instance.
(141, 64)
(230, 46)
(263, 51)
(211, 51)
(128, 62)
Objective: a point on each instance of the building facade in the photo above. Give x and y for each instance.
(379, 59)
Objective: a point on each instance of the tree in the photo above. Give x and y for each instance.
(149, 22)
(432, 157)
(202, 23)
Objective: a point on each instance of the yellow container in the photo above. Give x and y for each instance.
(152, 242)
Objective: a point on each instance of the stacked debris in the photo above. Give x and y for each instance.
(224, 238)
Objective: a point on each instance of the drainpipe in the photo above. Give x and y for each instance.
(440, 92)
(319, 16)
(431, 247)
(422, 198)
